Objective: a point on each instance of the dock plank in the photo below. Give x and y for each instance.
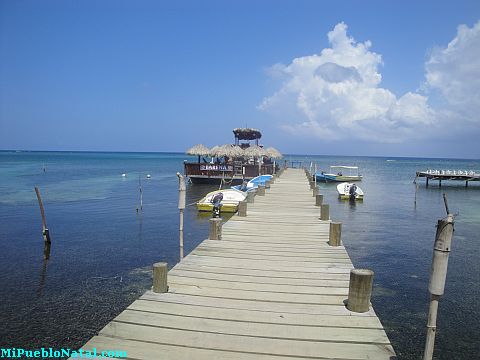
(271, 289)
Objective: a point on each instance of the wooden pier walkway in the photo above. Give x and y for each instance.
(271, 288)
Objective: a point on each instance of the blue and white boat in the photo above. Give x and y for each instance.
(253, 184)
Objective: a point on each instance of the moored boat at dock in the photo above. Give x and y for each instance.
(340, 173)
(229, 203)
(349, 191)
(253, 184)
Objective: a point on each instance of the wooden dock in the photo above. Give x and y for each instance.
(271, 288)
(456, 175)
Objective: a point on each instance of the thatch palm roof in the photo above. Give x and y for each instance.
(199, 149)
(231, 151)
(255, 151)
(274, 153)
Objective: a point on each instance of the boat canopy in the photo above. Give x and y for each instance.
(344, 167)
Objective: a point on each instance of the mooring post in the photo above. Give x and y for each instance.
(46, 234)
(182, 189)
(316, 191)
(360, 290)
(261, 190)
(318, 200)
(267, 184)
(242, 208)
(335, 234)
(160, 271)
(215, 229)
(324, 212)
(438, 275)
(251, 196)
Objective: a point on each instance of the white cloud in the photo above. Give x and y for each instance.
(454, 71)
(336, 94)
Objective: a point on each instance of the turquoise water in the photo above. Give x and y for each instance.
(102, 249)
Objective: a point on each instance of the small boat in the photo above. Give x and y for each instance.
(339, 173)
(231, 198)
(253, 184)
(344, 191)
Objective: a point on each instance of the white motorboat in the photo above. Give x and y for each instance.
(231, 198)
(348, 191)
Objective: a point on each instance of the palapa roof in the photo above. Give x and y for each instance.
(247, 133)
(199, 149)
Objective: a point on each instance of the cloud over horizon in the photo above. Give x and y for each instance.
(337, 94)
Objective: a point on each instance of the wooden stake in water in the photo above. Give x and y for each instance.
(438, 275)
(45, 232)
(182, 189)
(141, 192)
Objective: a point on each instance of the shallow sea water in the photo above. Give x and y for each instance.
(102, 249)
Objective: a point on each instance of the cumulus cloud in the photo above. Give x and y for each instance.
(337, 94)
(454, 71)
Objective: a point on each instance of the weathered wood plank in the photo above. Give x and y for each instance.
(271, 289)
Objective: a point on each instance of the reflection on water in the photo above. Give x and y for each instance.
(43, 277)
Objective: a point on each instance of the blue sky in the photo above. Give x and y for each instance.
(316, 77)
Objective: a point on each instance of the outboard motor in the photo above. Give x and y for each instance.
(352, 191)
(216, 201)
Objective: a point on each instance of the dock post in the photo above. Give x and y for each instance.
(45, 232)
(335, 235)
(267, 184)
(182, 189)
(242, 208)
(251, 196)
(316, 190)
(438, 275)
(324, 212)
(360, 290)
(160, 271)
(426, 183)
(261, 190)
(215, 229)
(318, 200)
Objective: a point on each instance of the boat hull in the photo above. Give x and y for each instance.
(226, 208)
(337, 178)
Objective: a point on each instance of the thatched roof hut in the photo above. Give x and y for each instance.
(199, 150)
(274, 153)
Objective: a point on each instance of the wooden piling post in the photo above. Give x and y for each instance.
(160, 271)
(242, 208)
(215, 229)
(316, 190)
(360, 290)
(438, 275)
(335, 235)
(251, 196)
(267, 184)
(261, 190)
(324, 212)
(181, 206)
(318, 200)
(45, 232)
